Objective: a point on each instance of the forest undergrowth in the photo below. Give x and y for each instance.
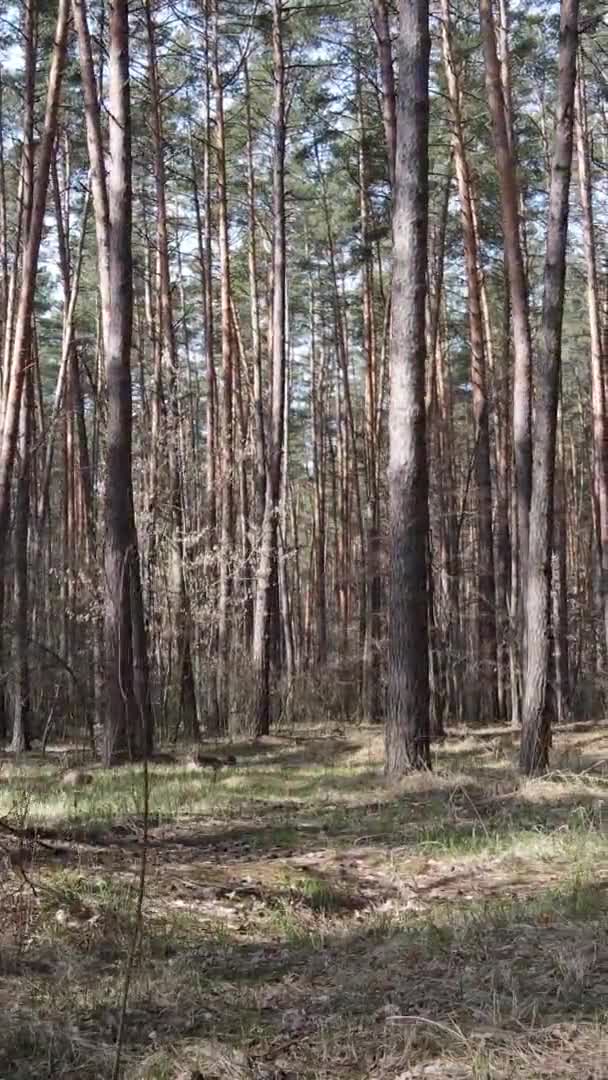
(305, 919)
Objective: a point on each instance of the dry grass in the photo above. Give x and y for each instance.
(305, 920)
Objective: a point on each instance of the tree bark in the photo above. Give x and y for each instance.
(407, 721)
(372, 705)
(319, 541)
(267, 567)
(182, 630)
(599, 424)
(385, 57)
(256, 339)
(21, 688)
(128, 713)
(20, 351)
(522, 346)
(486, 705)
(539, 694)
(227, 545)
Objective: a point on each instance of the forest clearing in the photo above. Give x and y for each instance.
(302, 919)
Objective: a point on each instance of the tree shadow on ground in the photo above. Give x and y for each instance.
(304, 751)
(386, 904)
(460, 820)
(365, 1002)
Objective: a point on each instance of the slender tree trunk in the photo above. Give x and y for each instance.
(522, 347)
(373, 586)
(21, 694)
(560, 593)
(407, 719)
(441, 622)
(539, 699)
(182, 630)
(385, 57)
(21, 690)
(285, 598)
(20, 351)
(4, 253)
(262, 645)
(71, 291)
(26, 182)
(246, 574)
(487, 697)
(207, 271)
(319, 541)
(227, 549)
(599, 428)
(256, 339)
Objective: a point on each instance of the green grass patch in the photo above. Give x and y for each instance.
(302, 918)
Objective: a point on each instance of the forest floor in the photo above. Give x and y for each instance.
(303, 919)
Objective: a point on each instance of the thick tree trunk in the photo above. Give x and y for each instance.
(122, 720)
(539, 694)
(407, 717)
(128, 714)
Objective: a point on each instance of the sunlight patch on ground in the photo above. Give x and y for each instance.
(304, 919)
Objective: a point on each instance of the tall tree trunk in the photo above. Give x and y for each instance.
(245, 574)
(373, 584)
(267, 568)
(486, 679)
(128, 714)
(560, 592)
(441, 623)
(26, 181)
(599, 426)
(227, 540)
(21, 687)
(4, 252)
(407, 717)
(539, 695)
(121, 557)
(71, 290)
(182, 630)
(256, 338)
(20, 351)
(207, 272)
(522, 347)
(319, 541)
(21, 694)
